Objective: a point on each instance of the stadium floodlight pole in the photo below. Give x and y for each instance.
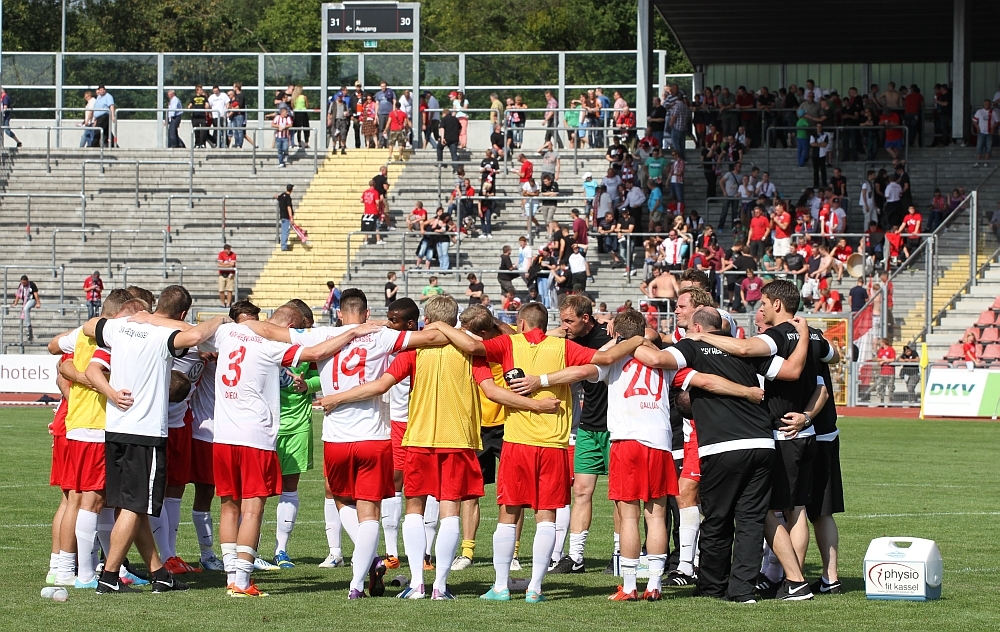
(62, 46)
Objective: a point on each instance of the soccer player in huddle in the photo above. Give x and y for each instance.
(534, 470)
(442, 436)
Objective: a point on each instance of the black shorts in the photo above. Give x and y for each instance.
(828, 486)
(663, 305)
(492, 437)
(912, 243)
(136, 477)
(791, 482)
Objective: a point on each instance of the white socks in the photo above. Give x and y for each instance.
(172, 509)
(67, 566)
(656, 563)
(105, 523)
(86, 534)
(629, 566)
(562, 527)
(690, 522)
(349, 520)
(392, 510)
(447, 543)
(414, 543)
(203, 527)
(332, 516)
(576, 543)
(287, 510)
(229, 561)
(774, 571)
(541, 553)
(243, 570)
(53, 562)
(158, 524)
(618, 544)
(365, 546)
(431, 513)
(504, 539)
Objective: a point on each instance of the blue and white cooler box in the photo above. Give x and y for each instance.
(903, 568)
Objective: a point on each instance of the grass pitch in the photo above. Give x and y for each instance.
(933, 479)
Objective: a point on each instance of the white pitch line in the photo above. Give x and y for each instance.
(922, 515)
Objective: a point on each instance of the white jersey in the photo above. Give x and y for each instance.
(248, 396)
(67, 343)
(638, 403)
(362, 360)
(191, 366)
(399, 399)
(203, 405)
(142, 358)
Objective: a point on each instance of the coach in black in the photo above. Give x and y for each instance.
(793, 400)
(737, 453)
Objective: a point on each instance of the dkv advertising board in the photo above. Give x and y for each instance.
(962, 393)
(28, 373)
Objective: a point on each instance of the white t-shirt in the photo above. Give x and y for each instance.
(203, 405)
(577, 263)
(142, 358)
(362, 360)
(219, 104)
(840, 225)
(191, 366)
(893, 192)
(399, 399)
(524, 258)
(985, 120)
(671, 250)
(765, 188)
(248, 402)
(638, 402)
(67, 343)
(867, 200)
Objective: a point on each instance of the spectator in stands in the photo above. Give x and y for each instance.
(939, 208)
(173, 122)
(496, 141)
(509, 307)
(911, 225)
(893, 132)
(506, 278)
(910, 372)
(609, 238)
(819, 141)
(727, 112)
(7, 111)
(385, 100)
(551, 120)
(680, 125)
(802, 139)
(942, 115)
(551, 162)
(396, 130)
(750, 291)
(26, 295)
(332, 304)
(218, 103)
(624, 229)
(199, 117)
(282, 124)
(431, 290)
(449, 130)
(578, 267)
(995, 222)
(730, 182)
(859, 295)
(486, 193)
(227, 283)
(93, 286)
(985, 123)
(475, 290)
(286, 214)
(238, 115)
(104, 115)
(760, 230)
(970, 350)
(417, 217)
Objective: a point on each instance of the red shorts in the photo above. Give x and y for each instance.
(531, 476)
(692, 462)
(245, 472)
(570, 454)
(85, 469)
(398, 451)
(360, 470)
(179, 454)
(639, 472)
(445, 474)
(58, 460)
(201, 470)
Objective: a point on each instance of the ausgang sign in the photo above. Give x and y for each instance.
(387, 20)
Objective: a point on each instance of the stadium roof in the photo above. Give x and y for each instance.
(848, 31)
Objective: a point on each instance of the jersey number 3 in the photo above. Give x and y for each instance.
(237, 358)
(338, 366)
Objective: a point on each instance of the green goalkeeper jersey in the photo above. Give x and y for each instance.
(296, 408)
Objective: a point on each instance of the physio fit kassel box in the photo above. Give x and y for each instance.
(903, 568)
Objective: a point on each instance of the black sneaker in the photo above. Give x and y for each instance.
(610, 569)
(820, 587)
(168, 585)
(765, 587)
(677, 578)
(566, 566)
(108, 588)
(794, 591)
(135, 571)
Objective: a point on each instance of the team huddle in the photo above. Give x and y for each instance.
(419, 417)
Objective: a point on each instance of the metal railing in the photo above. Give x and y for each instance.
(871, 384)
(257, 141)
(835, 142)
(48, 138)
(181, 270)
(110, 233)
(83, 172)
(225, 199)
(6, 313)
(479, 272)
(28, 196)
